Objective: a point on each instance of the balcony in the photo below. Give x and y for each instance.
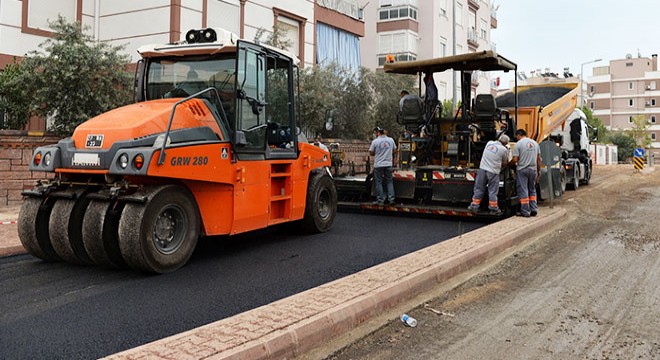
(398, 57)
(472, 39)
(493, 19)
(473, 4)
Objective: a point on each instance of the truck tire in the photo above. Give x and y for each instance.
(575, 184)
(100, 235)
(160, 235)
(65, 227)
(33, 228)
(562, 177)
(587, 176)
(321, 204)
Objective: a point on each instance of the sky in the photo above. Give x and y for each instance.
(567, 33)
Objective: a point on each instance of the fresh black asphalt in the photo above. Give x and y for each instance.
(63, 311)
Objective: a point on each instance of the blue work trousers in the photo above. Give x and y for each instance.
(486, 181)
(380, 174)
(526, 184)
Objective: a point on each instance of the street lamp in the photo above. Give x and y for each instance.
(581, 80)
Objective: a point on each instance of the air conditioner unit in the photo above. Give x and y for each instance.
(648, 87)
(648, 103)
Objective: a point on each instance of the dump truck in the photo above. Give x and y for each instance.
(573, 139)
(544, 112)
(437, 165)
(210, 147)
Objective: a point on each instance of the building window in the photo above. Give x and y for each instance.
(652, 136)
(403, 45)
(459, 14)
(591, 105)
(459, 49)
(652, 87)
(652, 119)
(631, 102)
(443, 47)
(652, 102)
(37, 13)
(404, 12)
(483, 31)
(293, 29)
(630, 86)
(629, 64)
(592, 89)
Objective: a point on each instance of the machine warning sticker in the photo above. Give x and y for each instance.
(94, 141)
(225, 153)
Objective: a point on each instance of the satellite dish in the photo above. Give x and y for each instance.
(628, 56)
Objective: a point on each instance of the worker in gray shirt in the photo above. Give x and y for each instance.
(495, 155)
(382, 149)
(527, 158)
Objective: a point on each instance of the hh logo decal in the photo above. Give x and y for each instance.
(94, 141)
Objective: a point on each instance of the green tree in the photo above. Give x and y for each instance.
(639, 131)
(625, 144)
(14, 99)
(73, 78)
(596, 123)
(385, 94)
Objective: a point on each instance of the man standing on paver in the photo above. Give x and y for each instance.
(527, 157)
(383, 149)
(488, 177)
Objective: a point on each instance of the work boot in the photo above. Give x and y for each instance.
(495, 212)
(533, 213)
(473, 207)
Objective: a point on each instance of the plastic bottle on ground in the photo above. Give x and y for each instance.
(408, 320)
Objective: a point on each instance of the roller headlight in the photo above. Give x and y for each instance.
(123, 161)
(47, 159)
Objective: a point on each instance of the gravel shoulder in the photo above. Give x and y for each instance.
(587, 290)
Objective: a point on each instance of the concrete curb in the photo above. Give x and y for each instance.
(295, 325)
(12, 250)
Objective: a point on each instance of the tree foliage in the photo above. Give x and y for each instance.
(360, 101)
(596, 123)
(639, 131)
(625, 144)
(73, 78)
(14, 99)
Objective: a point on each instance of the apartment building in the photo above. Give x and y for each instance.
(330, 24)
(319, 31)
(624, 89)
(423, 29)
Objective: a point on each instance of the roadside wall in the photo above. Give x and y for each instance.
(356, 152)
(16, 148)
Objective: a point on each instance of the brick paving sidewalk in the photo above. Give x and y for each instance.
(9, 242)
(299, 323)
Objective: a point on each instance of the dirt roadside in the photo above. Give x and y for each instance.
(586, 291)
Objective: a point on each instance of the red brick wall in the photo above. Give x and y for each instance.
(355, 151)
(16, 148)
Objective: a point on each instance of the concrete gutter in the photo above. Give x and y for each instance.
(295, 325)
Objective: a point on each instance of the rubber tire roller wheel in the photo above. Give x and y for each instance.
(170, 211)
(65, 228)
(100, 235)
(33, 228)
(321, 204)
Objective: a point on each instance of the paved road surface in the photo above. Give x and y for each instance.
(62, 311)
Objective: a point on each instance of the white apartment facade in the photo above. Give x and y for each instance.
(422, 29)
(24, 23)
(318, 30)
(624, 89)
